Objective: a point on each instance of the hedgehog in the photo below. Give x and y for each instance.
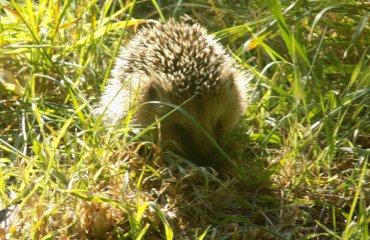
(177, 64)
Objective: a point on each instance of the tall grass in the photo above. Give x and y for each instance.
(302, 147)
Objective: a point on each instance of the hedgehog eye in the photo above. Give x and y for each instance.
(218, 125)
(180, 129)
(182, 133)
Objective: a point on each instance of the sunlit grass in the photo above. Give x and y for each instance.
(300, 165)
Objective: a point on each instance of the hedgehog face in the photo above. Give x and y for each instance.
(217, 114)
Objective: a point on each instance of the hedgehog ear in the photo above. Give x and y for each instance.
(227, 79)
(152, 93)
(230, 83)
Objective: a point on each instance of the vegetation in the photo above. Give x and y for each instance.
(302, 149)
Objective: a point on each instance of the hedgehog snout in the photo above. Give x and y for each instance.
(188, 141)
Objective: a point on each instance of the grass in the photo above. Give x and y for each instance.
(302, 147)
